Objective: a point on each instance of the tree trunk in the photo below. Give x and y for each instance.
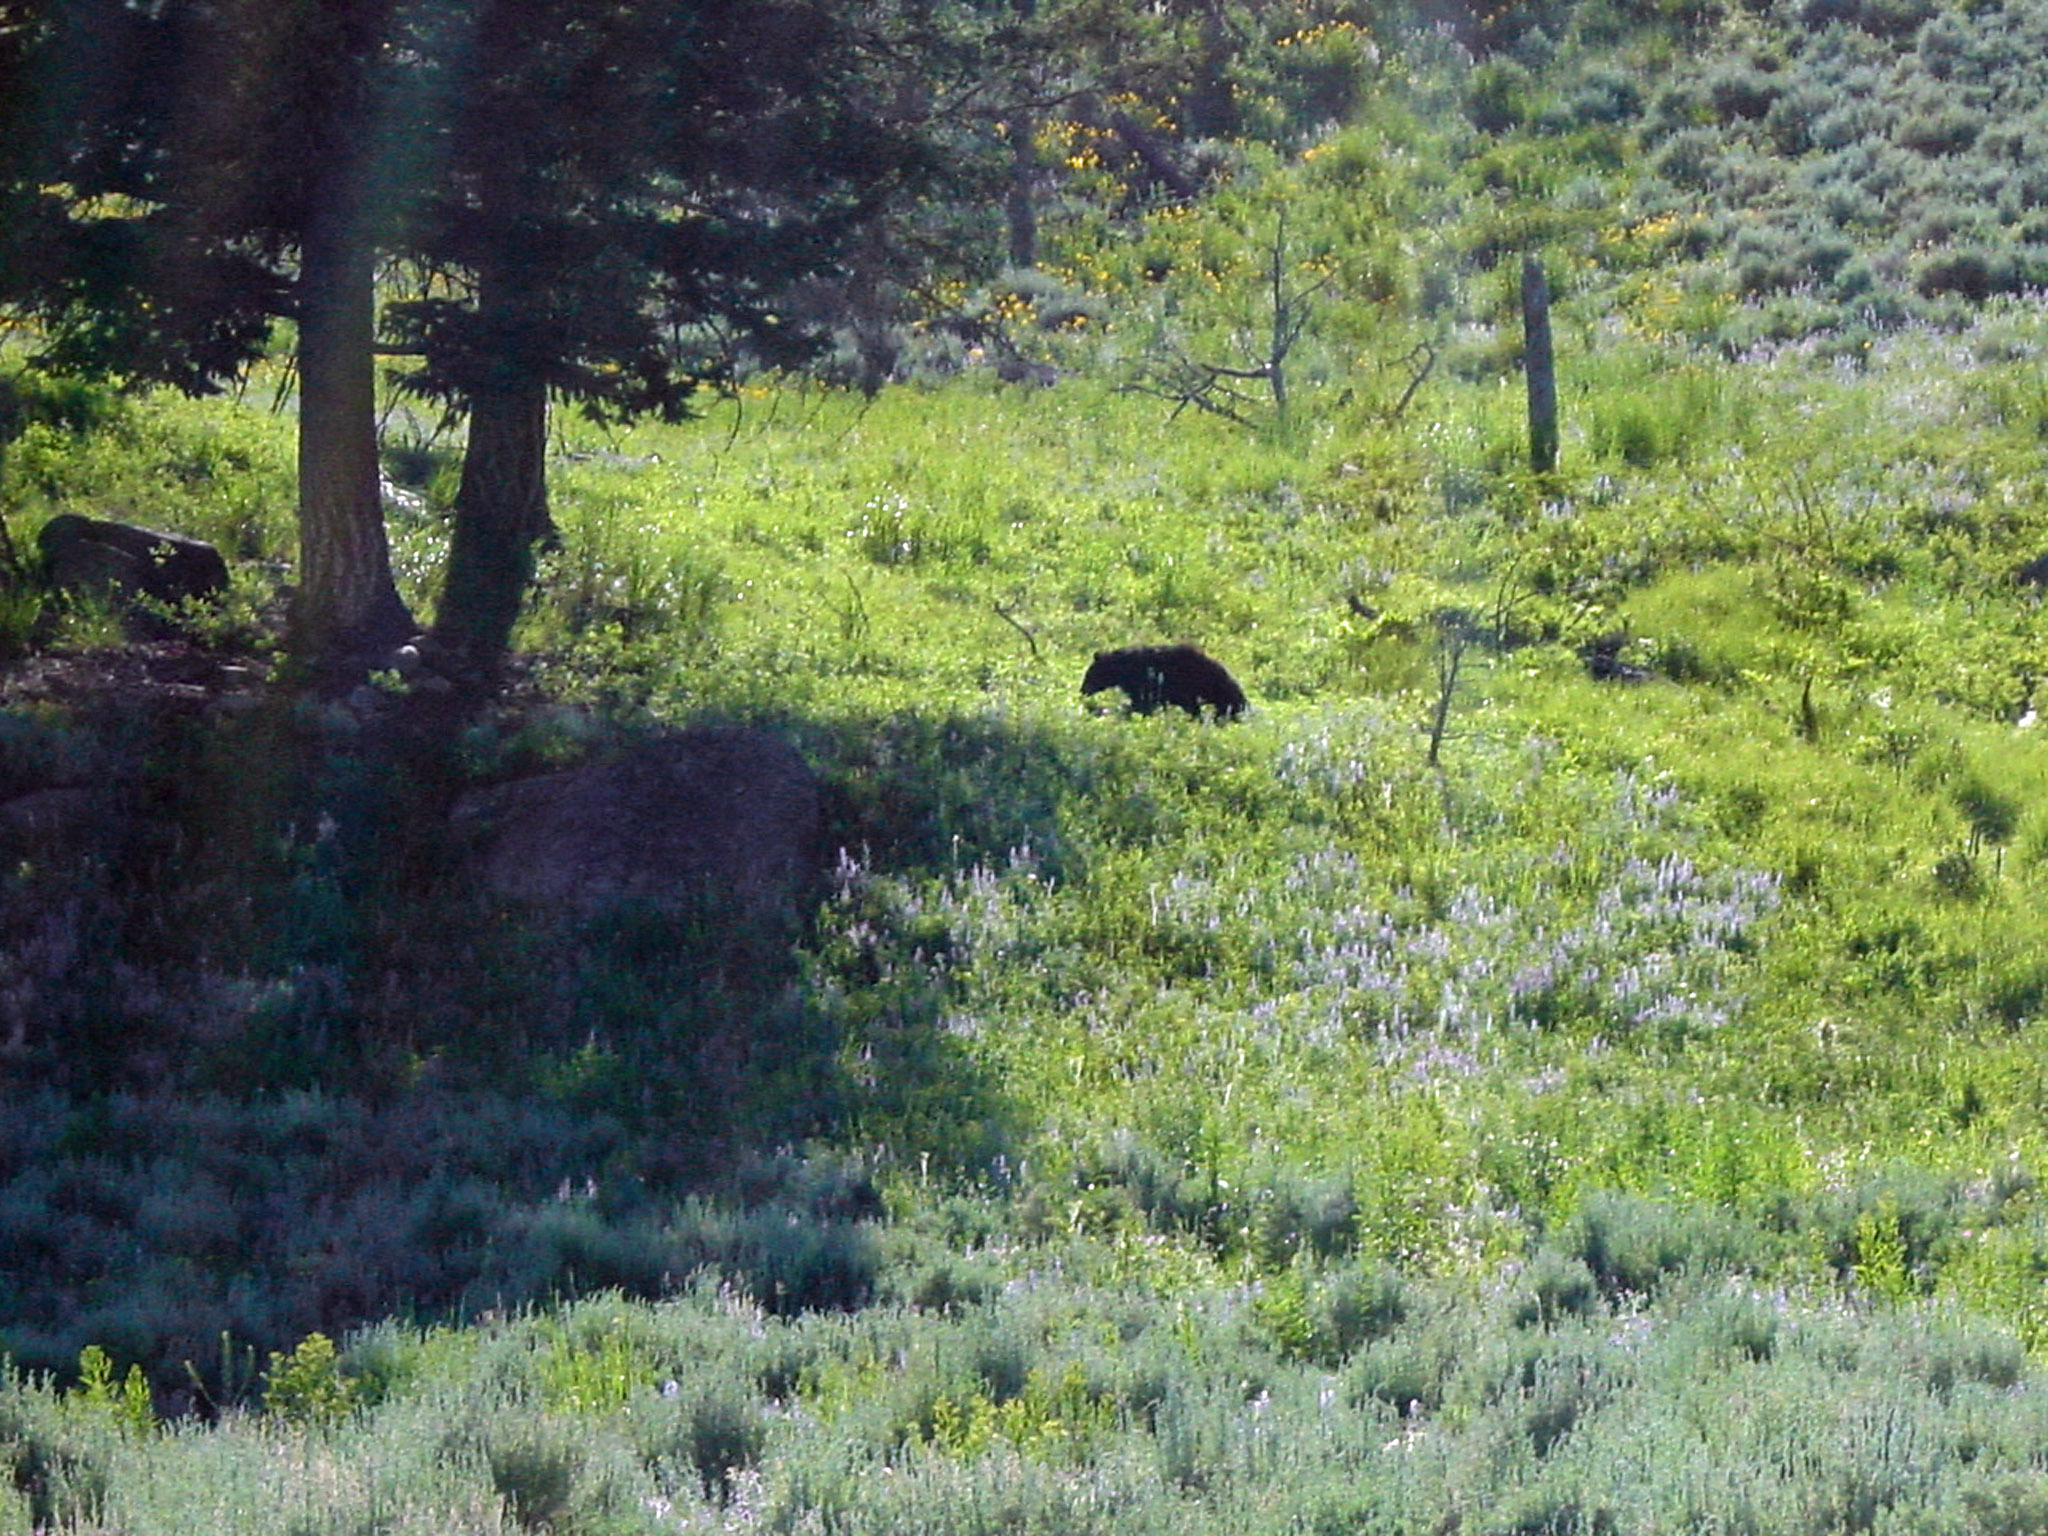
(1286, 325)
(1152, 155)
(347, 606)
(1020, 205)
(1020, 208)
(501, 519)
(1212, 111)
(1541, 366)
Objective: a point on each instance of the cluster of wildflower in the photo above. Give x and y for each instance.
(1618, 933)
(1076, 145)
(1653, 950)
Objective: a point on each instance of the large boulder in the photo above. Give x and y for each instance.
(726, 814)
(123, 563)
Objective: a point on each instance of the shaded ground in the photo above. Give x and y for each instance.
(269, 1065)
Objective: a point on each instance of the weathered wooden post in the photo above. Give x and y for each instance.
(1540, 365)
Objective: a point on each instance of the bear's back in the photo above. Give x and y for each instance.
(1152, 675)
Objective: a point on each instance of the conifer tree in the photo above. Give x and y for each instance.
(185, 174)
(627, 195)
(608, 196)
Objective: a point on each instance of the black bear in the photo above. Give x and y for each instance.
(1603, 660)
(1152, 675)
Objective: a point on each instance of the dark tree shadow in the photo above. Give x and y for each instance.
(291, 1073)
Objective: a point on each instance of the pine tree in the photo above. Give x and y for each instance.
(189, 173)
(628, 195)
(614, 198)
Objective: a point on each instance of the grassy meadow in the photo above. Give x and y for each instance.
(1469, 1094)
(1628, 1123)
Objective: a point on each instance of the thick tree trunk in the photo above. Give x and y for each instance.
(501, 519)
(347, 607)
(1020, 207)
(1020, 198)
(1212, 111)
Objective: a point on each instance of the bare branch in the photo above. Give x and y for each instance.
(1008, 618)
(1417, 376)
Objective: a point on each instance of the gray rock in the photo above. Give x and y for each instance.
(123, 562)
(732, 814)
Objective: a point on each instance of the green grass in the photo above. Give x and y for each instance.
(1204, 942)
(1120, 928)
(1348, 1401)
(1156, 1125)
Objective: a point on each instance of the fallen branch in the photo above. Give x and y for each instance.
(1427, 353)
(1029, 638)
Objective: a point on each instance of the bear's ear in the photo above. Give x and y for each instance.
(1102, 655)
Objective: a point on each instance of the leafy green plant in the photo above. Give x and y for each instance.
(584, 1375)
(125, 1401)
(307, 1387)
